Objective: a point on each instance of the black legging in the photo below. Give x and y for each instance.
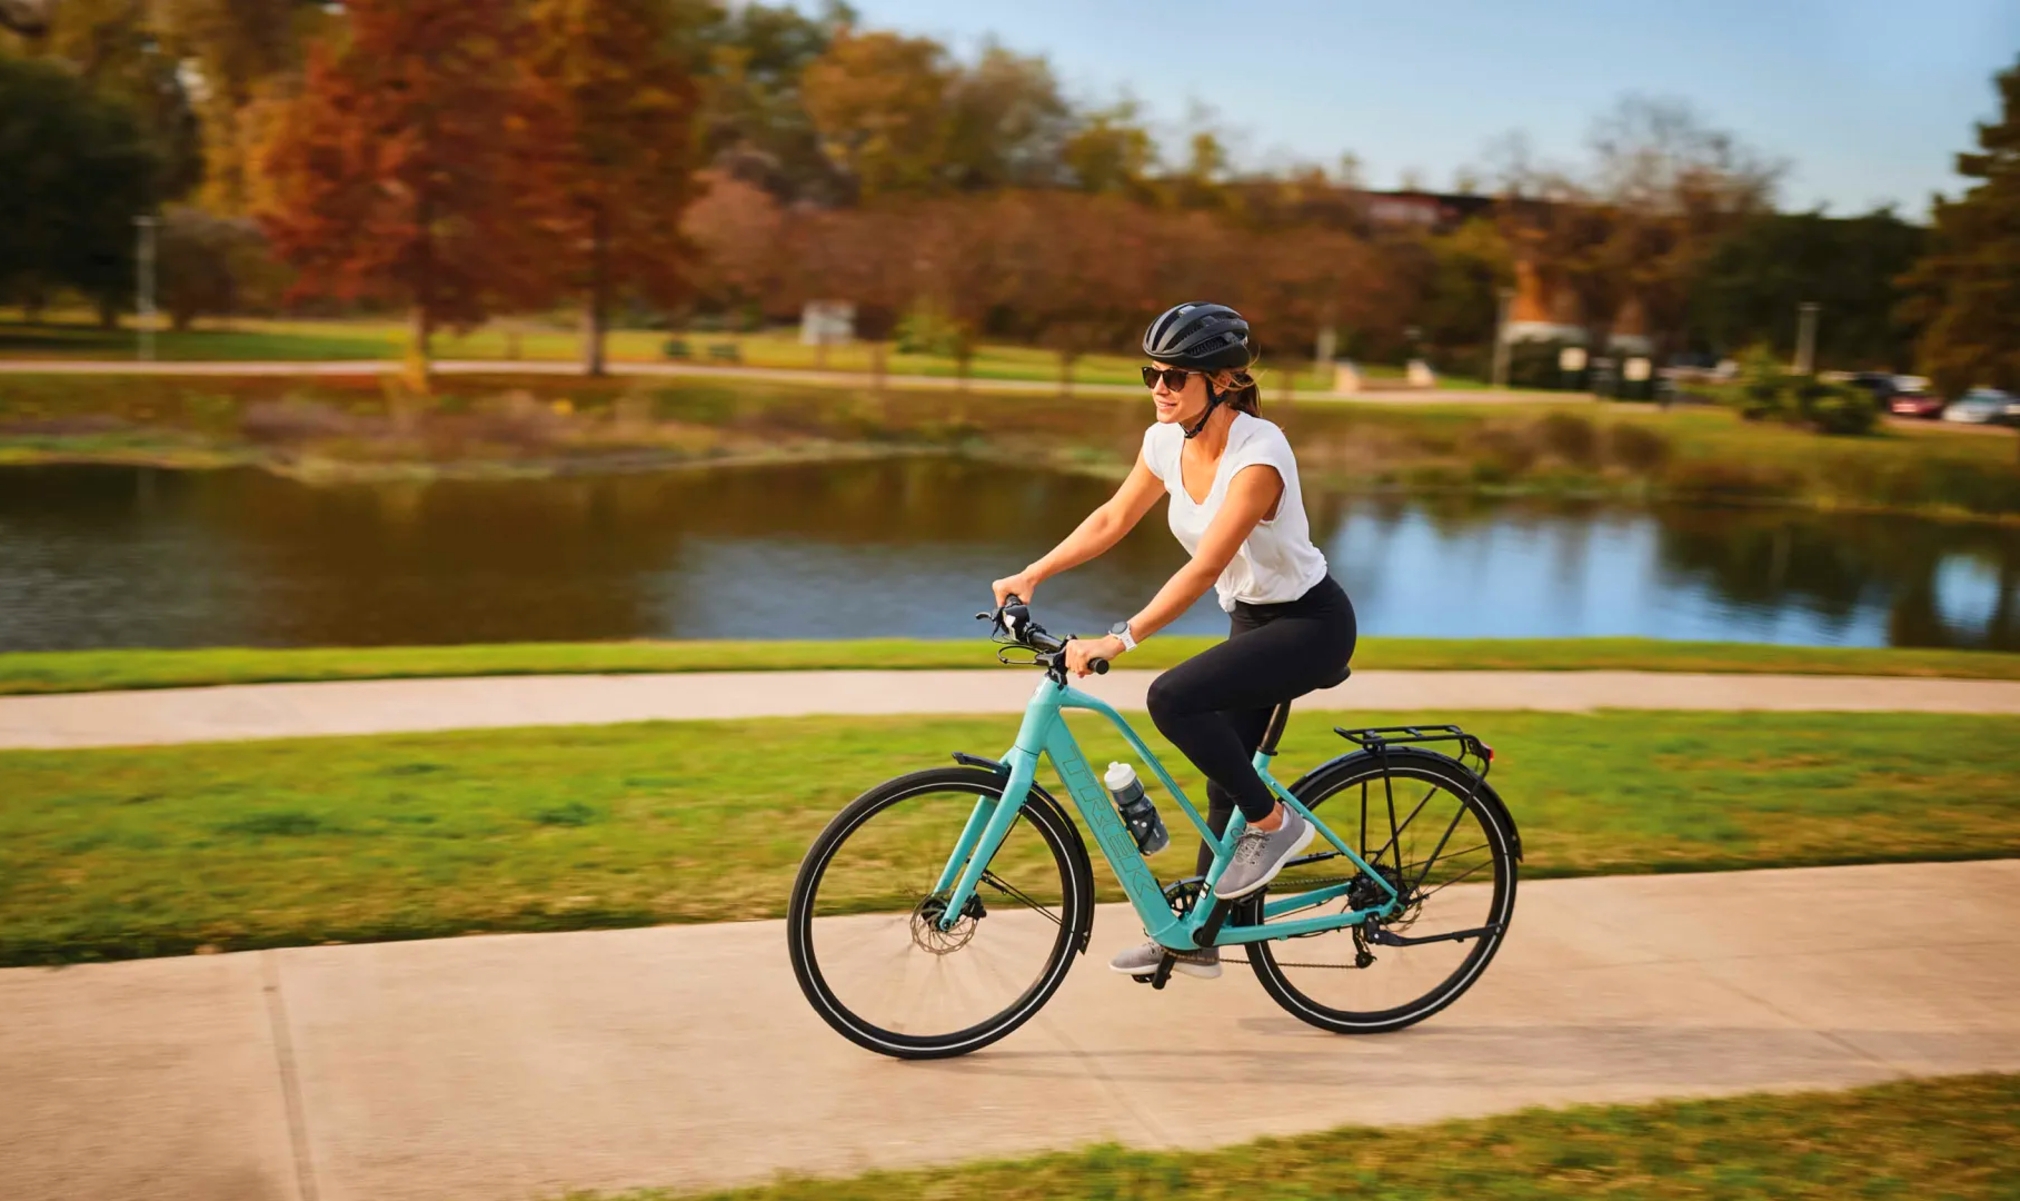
(1215, 705)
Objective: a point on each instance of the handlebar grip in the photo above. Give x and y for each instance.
(1100, 666)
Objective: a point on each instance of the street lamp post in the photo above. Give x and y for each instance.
(1806, 338)
(1507, 297)
(144, 287)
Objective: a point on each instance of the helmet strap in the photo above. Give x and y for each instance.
(1212, 400)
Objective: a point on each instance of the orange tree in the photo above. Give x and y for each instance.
(402, 170)
(614, 78)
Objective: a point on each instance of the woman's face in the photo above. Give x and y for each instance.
(1184, 405)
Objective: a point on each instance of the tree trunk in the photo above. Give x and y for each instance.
(877, 368)
(599, 292)
(108, 313)
(1066, 374)
(424, 284)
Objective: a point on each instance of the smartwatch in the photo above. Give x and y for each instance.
(1121, 630)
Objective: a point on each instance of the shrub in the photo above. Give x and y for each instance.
(293, 421)
(1637, 448)
(1767, 393)
(1569, 437)
(1836, 408)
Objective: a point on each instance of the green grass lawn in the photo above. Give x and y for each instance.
(145, 851)
(85, 671)
(543, 340)
(1949, 1138)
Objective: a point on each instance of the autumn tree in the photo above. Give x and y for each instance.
(880, 103)
(402, 169)
(749, 60)
(1660, 189)
(1965, 292)
(618, 88)
(234, 51)
(738, 232)
(1111, 151)
(867, 257)
(1006, 123)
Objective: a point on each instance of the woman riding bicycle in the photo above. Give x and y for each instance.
(1237, 509)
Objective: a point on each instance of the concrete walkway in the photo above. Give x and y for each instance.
(173, 715)
(508, 1067)
(782, 375)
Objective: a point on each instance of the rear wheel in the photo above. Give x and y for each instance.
(863, 925)
(1429, 831)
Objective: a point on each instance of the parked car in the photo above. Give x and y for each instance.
(1980, 406)
(1916, 404)
(1879, 383)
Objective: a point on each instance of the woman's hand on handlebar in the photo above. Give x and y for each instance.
(1021, 585)
(1082, 652)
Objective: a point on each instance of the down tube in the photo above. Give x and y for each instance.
(1110, 834)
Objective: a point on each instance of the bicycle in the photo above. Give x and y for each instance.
(895, 947)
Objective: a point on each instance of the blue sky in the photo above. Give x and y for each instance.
(1867, 100)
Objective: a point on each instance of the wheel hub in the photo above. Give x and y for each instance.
(933, 938)
(1365, 892)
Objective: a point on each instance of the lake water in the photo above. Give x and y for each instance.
(93, 556)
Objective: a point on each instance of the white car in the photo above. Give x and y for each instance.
(1982, 406)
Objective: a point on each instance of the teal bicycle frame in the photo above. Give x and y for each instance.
(1045, 733)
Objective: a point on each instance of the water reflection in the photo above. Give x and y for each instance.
(117, 557)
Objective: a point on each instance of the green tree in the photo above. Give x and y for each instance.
(1750, 285)
(1965, 292)
(79, 169)
(123, 50)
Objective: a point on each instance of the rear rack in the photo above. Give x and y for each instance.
(1380, 738)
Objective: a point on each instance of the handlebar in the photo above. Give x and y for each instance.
(1011, 622)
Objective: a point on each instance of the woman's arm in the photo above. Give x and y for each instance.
(1094, 536)
(1251, 496)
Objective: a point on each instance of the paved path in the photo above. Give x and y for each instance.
(787, 375)
(172, 715)
(506, 1067)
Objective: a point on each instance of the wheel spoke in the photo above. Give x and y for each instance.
(885, 966)
(1340, 981)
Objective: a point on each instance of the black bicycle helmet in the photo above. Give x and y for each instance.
(1200, 335)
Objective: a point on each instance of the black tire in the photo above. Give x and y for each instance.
(1501, 849)
(1075, 911)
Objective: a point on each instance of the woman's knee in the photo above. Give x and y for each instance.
(1168, 699)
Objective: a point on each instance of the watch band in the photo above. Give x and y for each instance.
(1121, 630)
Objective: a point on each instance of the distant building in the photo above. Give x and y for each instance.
(1544, 311)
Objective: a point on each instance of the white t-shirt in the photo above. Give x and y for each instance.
(1278, 561)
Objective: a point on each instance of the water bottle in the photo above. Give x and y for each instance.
(1137, 811)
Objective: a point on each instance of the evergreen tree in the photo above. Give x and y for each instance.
(1965, 292)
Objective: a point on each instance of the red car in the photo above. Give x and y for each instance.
(1916, 404)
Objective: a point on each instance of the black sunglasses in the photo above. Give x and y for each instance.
(1174, 377)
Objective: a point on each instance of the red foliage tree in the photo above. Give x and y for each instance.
(401, 170)
(613, 75)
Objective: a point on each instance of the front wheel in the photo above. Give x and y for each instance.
(864, 931)
(1432, 829)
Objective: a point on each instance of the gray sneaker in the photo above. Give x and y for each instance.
(1142, 961)
(1259, 855)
